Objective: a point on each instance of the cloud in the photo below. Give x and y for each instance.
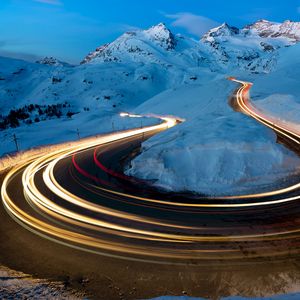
(20, 55)
(9, 48)
(194, 24)
(52, 2)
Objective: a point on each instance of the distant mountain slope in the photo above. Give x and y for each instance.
(154, 45)
(252, 48)
(266, 29)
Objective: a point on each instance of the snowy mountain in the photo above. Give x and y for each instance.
(252, 48)
(161, 35)
(135, 46)
(222, 31)
(155, 45)
(152, 71)
(288, 30)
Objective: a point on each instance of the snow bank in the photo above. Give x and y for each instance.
(52, 135)
(278, 93)
(216, 151)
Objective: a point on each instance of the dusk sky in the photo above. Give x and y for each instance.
(69, 29)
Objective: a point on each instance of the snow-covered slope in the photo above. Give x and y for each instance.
(216, 151)
(219, 149)
(283, 98)
(252, 48)
(37, 97)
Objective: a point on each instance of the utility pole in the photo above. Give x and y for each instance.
(78, 134)
(15, 139)
(143, 134)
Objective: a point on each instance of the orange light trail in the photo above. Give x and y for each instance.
(99, 229)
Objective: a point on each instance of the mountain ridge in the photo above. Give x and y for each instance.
(246, 47)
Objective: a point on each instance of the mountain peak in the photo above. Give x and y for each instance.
(51, 61)
(230, 29)
(224, 30)
(161, 34)
(259, 23)
(263, 21)
(224, 25)
(136, 45)
(160, 25)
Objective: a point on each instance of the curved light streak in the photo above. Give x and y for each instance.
(193, 241)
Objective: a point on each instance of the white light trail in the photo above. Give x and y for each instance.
(169, 233)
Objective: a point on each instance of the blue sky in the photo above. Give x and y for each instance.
(69, 29)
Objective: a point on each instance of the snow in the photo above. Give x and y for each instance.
(104, 90)
(284, 100)
(216, 151)
(223, 30)
(233, 153)
(157, 45)
(53, 132)
(253, 47)
(162, 35)
(16, 285)
(154, 71)
(265, 28)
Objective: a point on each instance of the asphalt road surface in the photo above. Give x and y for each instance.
(80, 197)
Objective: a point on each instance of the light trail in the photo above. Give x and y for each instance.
(56, 213)
(293, 135)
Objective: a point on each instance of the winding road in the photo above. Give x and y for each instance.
(78, 196)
